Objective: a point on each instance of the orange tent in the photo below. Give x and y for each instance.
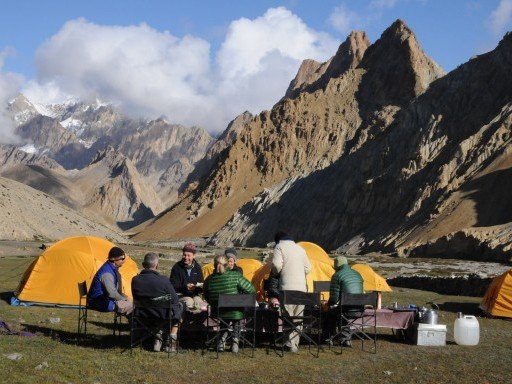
(207, 270)
(53, 277)
(498, 298)
(321, 270)
(372, 280)
(250, 266)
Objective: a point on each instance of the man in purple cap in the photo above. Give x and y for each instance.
(187, 279)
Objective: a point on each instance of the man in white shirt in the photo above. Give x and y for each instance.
(292, 264)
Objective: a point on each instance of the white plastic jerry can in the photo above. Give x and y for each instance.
(466, 330)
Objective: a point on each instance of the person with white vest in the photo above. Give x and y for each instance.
(292, 264)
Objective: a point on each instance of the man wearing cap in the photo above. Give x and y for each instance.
(150, 284)
(106, 294)
(291, 263)
(230, 253)
(187, 279)
(345, 279)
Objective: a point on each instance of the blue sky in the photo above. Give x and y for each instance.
(203, 62)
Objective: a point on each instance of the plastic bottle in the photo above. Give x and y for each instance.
(466, 330)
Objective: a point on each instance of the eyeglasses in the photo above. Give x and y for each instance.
(120, 258)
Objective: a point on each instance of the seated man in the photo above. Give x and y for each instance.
(226, 281)
(150, 284)
(105, 294)
(345, 279)
(187, 279)
(230, 253)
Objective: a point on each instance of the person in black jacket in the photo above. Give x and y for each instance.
(149, 284)
(231, 254)
(187, 279)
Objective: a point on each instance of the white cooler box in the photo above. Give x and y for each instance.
(429, 334)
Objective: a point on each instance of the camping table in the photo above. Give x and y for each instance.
(399, 321)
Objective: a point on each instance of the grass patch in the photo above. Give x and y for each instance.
(101, 360)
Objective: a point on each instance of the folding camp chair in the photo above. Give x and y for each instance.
(306, 323)
(82, 311)
(151, 318)
(216, 326)
(321, 286)
(83, 306)
(354, 321)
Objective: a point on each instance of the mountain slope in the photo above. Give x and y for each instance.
(434, 181)
(113, 187)
(28, 214)
(309, 132)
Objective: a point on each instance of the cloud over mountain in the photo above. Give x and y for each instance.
(152, 73)
(9, 85)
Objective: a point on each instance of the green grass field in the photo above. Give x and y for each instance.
(53, 356)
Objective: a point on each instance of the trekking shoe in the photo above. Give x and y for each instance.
(234, 347)
(171, 347)
(291, 348)
(157, 345)
(347, 343)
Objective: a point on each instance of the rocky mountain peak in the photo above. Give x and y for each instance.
(398, 30)
(228, 136)
(397, 68)
(109, 156)
(313, 75)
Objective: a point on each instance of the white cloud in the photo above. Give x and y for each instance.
(501, 17)
(344, 20)
(148, 72)
(260, 57)
(383, 3)
(9, 86)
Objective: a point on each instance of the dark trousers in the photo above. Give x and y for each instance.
(332, 319)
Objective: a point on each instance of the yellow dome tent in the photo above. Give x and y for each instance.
(498, 297)
(207, 270)
(53, 277)
(250, 266)
(372, 280)
(321, 270)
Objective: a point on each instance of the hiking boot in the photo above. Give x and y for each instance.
(234, 347)
(291, 348)
(157, 345)
(171, 347)
(221, 346)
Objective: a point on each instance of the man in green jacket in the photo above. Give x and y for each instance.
(226, 281)
(344, 280)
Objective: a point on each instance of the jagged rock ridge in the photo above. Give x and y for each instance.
(433, 183)
(306, 133)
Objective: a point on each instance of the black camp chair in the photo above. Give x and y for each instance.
(306, 324)
(151, 316)
(216, 326)
(82, 311)
(353, 321)
(83, 307)
(321, 287)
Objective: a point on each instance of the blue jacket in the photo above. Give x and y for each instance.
(98, 298)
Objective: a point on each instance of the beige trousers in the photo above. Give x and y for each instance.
(294, 337)
(192, 304)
